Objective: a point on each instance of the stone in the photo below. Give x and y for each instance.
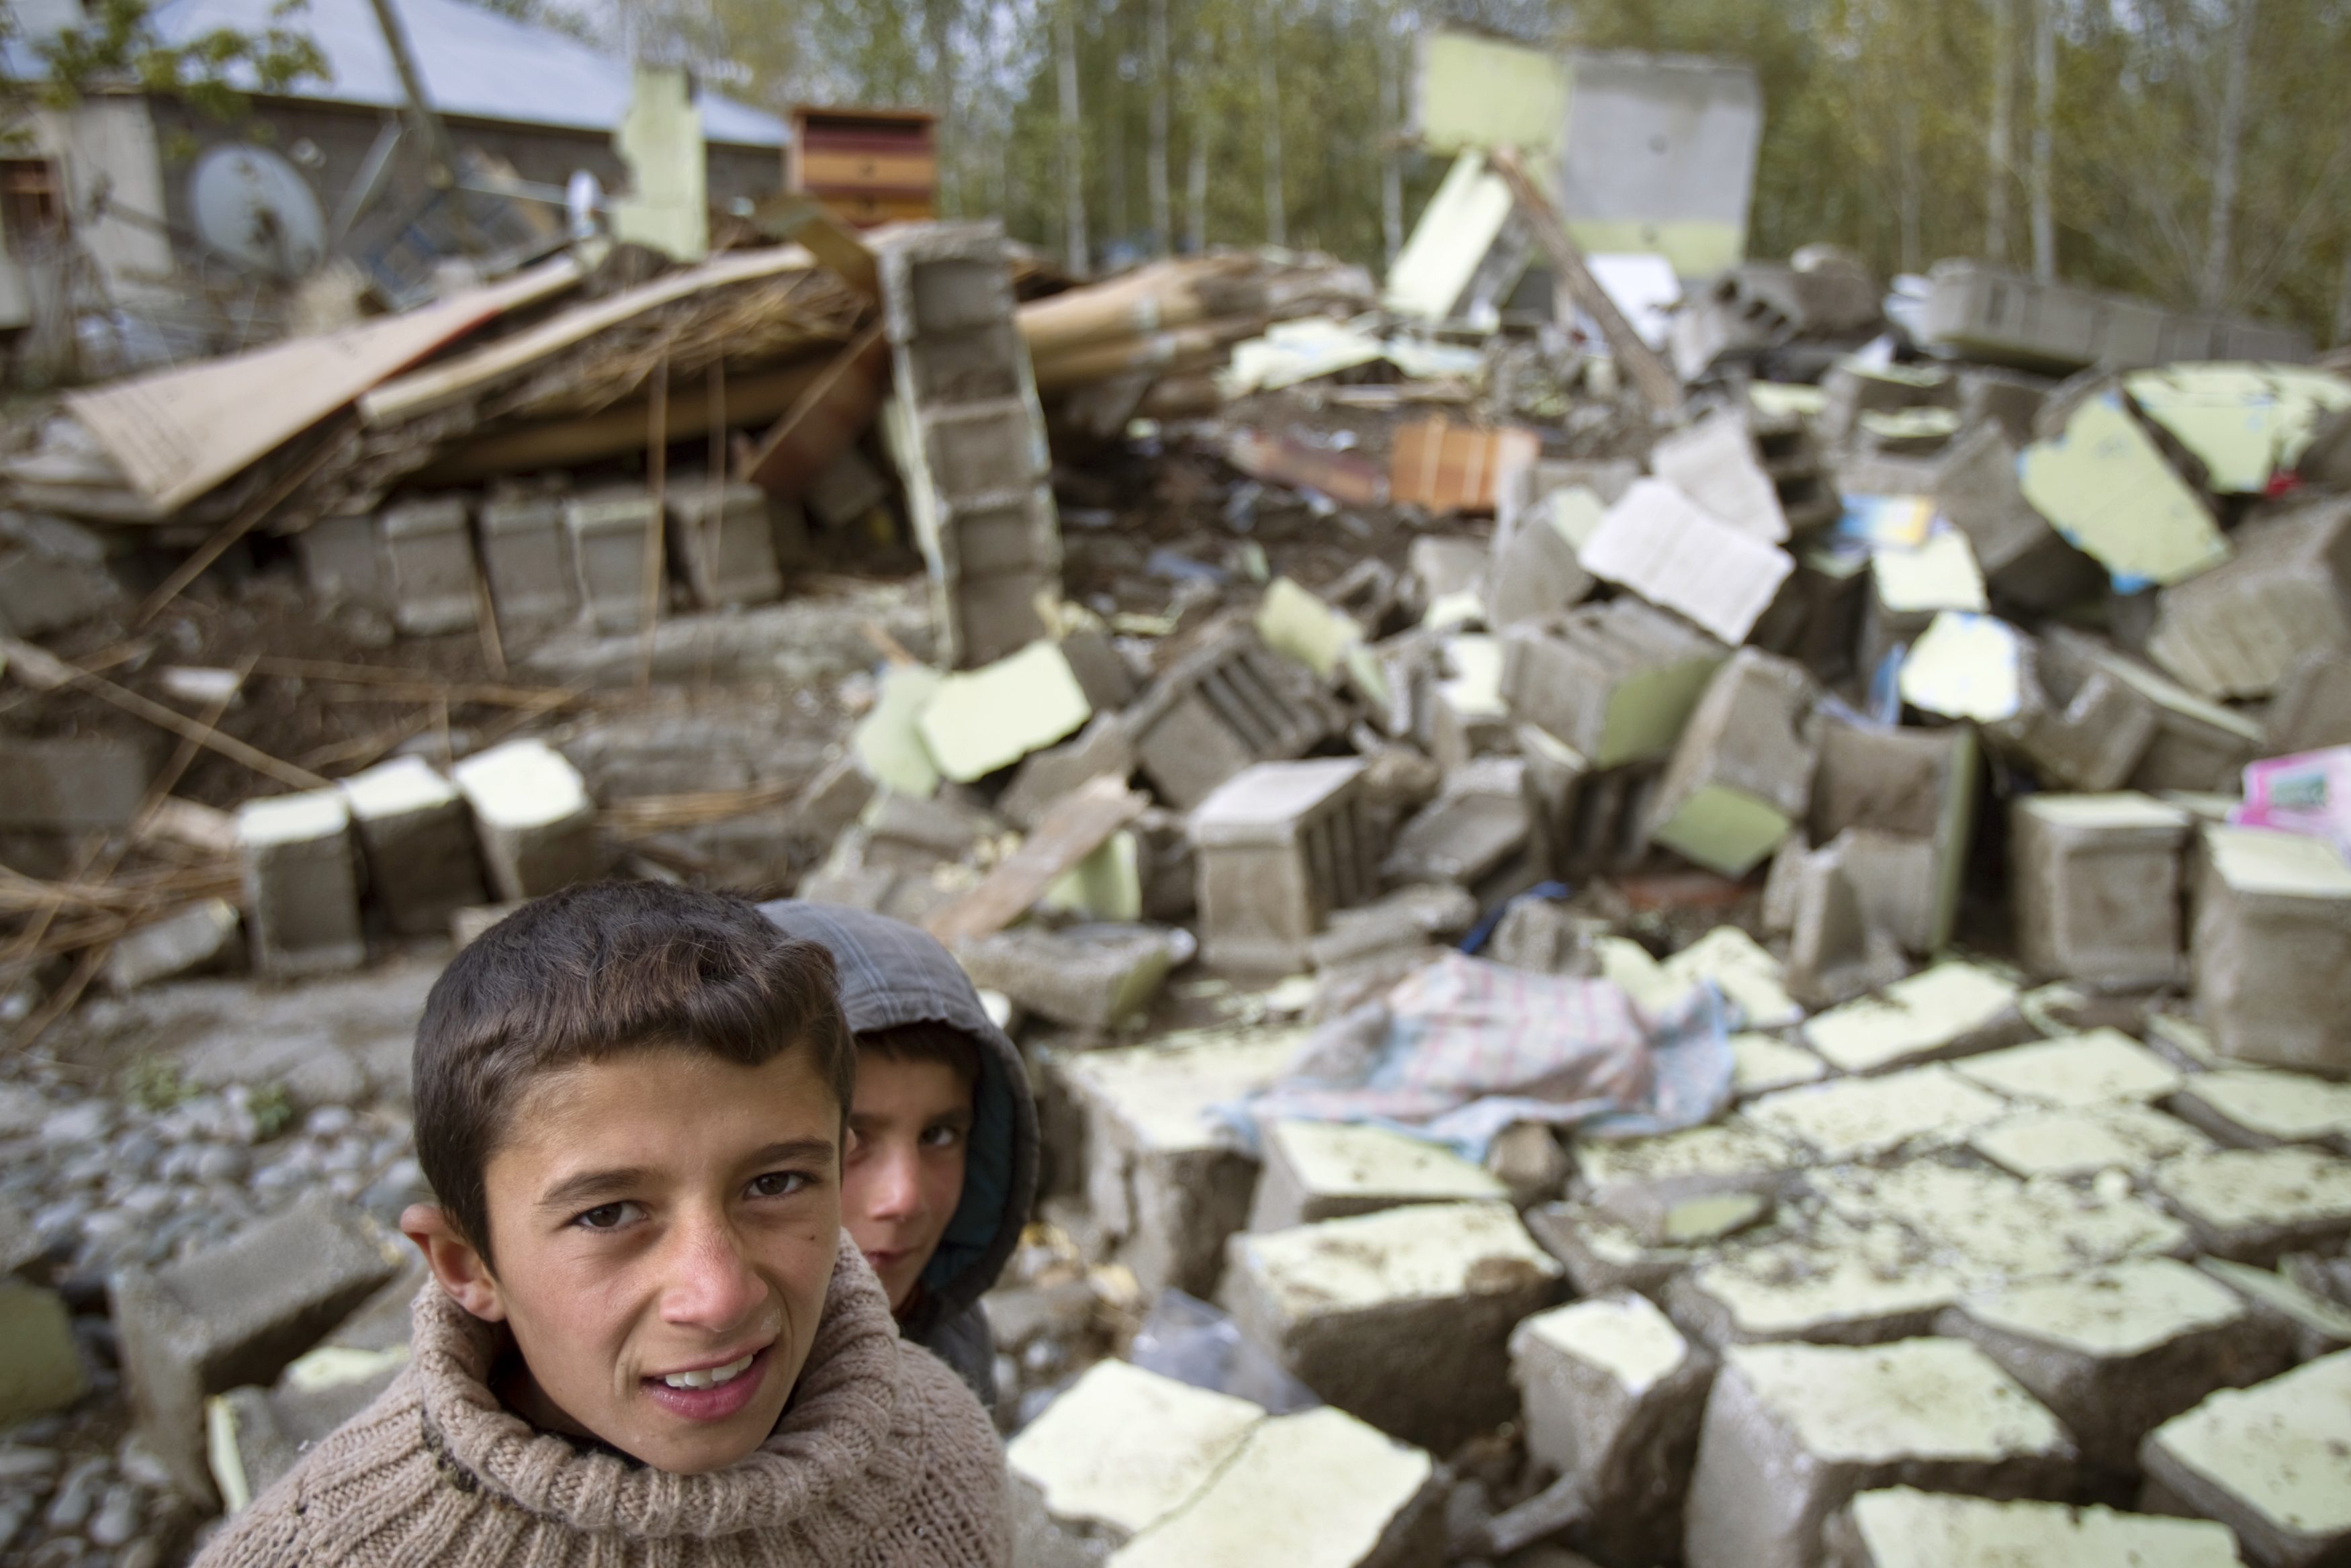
(612, 532)
(2097, 887)
(2068, 1142)
(1165, 1178)
(2254, 1204)
(1794, 1432)
(237, 1313)
(1613, 1395)
(429, 550)
(1400, 1317)
(1478, 821)
(2271, 1462)
(1527, 1159)
(2233, 632)
(1329, 1170)
(40, 1364)
(2271, 949)
(1951, 1010)
(1741, 773)
(191, 939)
(1316, 1490)
(1614, 682)
(2100, 1068)
(1088, 977)
(2024, 560)
(1118, 1451)
(532, 818)
(989, 718)
(73, 782)
(725, 539)
(301, 883)
(1860, 1118)
(2258, 1108)
(527, 559)
(1279, 846)
(417, 838)
(1902, 1527)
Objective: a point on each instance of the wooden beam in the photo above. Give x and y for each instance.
(1077, 824)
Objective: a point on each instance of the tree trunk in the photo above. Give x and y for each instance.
(1391, 139)
(2213, 289)
(1073, 174)
(1269, 91)
(1996, 136)
(938, 35)
(1162, 221)
(2044, 131)
(1195, 175)
(2343, 303)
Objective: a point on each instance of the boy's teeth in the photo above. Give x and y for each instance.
(710, 1376)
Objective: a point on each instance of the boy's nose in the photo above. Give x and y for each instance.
(712, 1286)
(897, 1185)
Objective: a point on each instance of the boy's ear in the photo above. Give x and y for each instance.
(462, 1271)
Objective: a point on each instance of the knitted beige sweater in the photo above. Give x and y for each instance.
(882, 1458)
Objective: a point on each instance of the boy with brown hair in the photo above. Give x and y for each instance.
(648, 1338)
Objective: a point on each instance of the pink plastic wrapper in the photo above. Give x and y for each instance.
(2309, 793)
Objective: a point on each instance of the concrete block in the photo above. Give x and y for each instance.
(1401, 1317)
(1280, 845)
(1613, 1395)
(2257, 1107)
(612, 534)
(2098, 1068)
(2311, 710)
(1951, 1010)
(994, 617)
(1862, 1118)
(193, 937)
(2236, 630)
(2117, 1352)
(417, 836)
(40, 1364)
(1834, 1283)
(429, 550)
(532, 816)
(986, 719)
(301, 883)
(2097, 880)
(1118, 1451)
(1792, 1432)
(343, 561)
(1845, 903)
(1104, 746)
(724, 538)
(53, 575)
(1230, 703)
(2320, 1325)
(1901, 1527)
(1736, 1155)
(2271, 1462)
(1989, 1228)
(1909, 783)
(2024, 560)
(1614, 682)
(1088, 977)
(1601, 1253)
(2271, 949)
(846, 489)
(68, 782)
(1471, 830)
(1713, 462)
(527, 557)
(238, 1314)
(1763, 1063)
(1317, 1489)
(2254, 1205)
(2079, 730)
(1330, 1170)
(2197, 745)
(1166, 1179)
(1741, 773)
(1464, 716)
(2068, 1142)
(1535, 573)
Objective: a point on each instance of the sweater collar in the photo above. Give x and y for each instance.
(830, 1433)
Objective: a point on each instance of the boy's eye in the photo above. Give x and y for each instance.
(942, 1137)
(778, 1184)
(607, 1217)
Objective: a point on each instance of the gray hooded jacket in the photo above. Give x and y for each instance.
(892, 975)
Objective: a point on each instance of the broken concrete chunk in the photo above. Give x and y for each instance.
(2100, 1068)
(301, 883)
(2272, 952)
(2236, 630)
(2254, 1204)
(2320, 1327)
(1612, 1396)
(417, 838)
(986, 719)
(1951, 1010)
(2118, 1352)
(1909, 783)
(1994, 1227)
(2105, 485)
(1857, 1119)
(2068, 1142)
(1902, 1527)
(1317, 1489)
(2254, 1108)
(1741, 773)
(1601, 1254)
(1116, 1453)
(2024, 559)
(1614, 682)
(1845, 903)
(1536, 571)
(1672, 553)
(1295, 622)
(192, 937)
(1748, 977)
(531, 813)
(2198, 744)
(1328, 1170)
(1401, 1317)
(1792, 1432)
(1280, 845)
(2097, 886)
(1088, 977)
(1728, 1156)
(725, 536)
(2311, 710)
(1713, 462)
(1835, 1285)
(1761, 1063)
(1231, 703)
(888, 742)
(2271, 1462)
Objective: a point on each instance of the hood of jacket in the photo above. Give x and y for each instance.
(893, 974)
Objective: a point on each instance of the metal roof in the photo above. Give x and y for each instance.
(476, 64)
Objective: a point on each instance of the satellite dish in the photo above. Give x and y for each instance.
(254, 206)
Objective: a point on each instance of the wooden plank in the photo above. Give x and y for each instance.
(832, 412)
(1446, 467)
(1077, 824)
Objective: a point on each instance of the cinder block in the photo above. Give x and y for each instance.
(343, 560)
(1792, 1432)
(2254, 1205)
(532, 816)
(40, 1365)
(1616, 682)
(1613, 1395)
(1951, 1010)
(66, 783)
(2088, 730)
(1902, 1527)
(1471, 830)
(2260, 1108)
(2272, 951)
(1713, 462)
(1280, 845)
(2271, 1462)
(239, 1314)
(301, 883)
(1741, 773)
(1401, 1317)
(1104, 747)
(2118, 1352)
(526, 557)
(994, 617)
(2197, 744)
(724, 535)
(968, 366)
(2024, 560)
(1096, 977)
(2097, 880)
(2236, 630)
(1535, 571)
(1912, 784)
(192, 937)
(1330, 1170)
(430, 552)
(612, 554)
(1231, 703)
(418, 839)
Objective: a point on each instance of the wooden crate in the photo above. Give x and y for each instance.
(869, 165)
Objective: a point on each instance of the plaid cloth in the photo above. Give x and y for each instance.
(1461, 1049)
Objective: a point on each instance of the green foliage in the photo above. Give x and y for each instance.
(272, 1108)
(118, 42)
(153, 1083)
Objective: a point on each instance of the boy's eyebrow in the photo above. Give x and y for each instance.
(592, 1184)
